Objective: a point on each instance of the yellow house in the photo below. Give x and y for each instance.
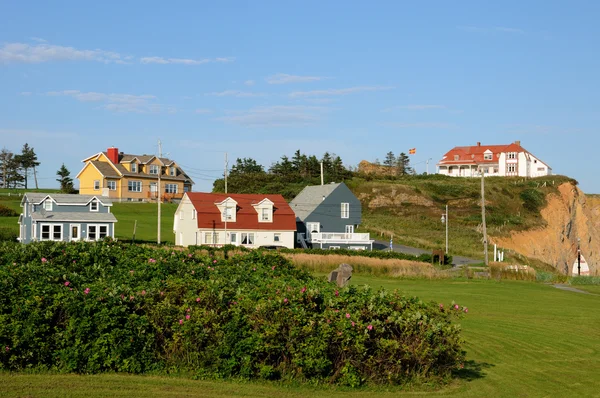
(124, 177)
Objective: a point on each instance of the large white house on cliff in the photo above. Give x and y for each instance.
(493, 160)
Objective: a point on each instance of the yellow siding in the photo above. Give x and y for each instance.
(86, 180)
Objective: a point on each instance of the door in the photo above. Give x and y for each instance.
(233, 238)
(312, 227)
(153, 190)
(75, 232)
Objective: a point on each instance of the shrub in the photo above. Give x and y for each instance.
(7, 212)
(107, 306)
(533, 200)
(8, 235)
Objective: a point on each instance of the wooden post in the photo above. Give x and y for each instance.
(485, 238)
(134, 228)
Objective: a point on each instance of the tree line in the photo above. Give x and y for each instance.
(401, 163)
(16, 168)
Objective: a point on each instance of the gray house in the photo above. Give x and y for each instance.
(326, 217)
(64, 217)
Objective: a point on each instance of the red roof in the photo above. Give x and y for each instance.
(209, 216)
(475, 154)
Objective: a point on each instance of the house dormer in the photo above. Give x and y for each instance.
(228, 210)
(94, 205)
(47, 204)
(264, 208)
(133, 166)
(488, 155)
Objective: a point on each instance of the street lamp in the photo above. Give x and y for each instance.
(445, 221)
(578, 257)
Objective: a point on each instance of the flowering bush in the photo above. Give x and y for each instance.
(93, 307)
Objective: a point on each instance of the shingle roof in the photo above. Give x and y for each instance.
(63, 198)
(209, 215)
(57, 216)
(126, 157)
(475, 154)
(106, 169)
(310, 198)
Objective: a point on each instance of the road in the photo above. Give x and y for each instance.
(457, 261)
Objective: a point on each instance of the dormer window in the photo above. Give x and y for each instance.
(264, 209)
(488, 156)
(48, 205)
(265, 214)
(172, 171)
(134, 167)
(94, 205)
(228, 209)
(227, 214)
(456, 157)
(153, 169)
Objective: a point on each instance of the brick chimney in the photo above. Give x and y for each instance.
(113, 155)
(518, 143)
(478, 143)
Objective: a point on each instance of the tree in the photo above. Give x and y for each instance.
(403, 164)
(13, 177)
(65, 180)
(390, 159)
(246, 166)
(5, 157)
(28, 160)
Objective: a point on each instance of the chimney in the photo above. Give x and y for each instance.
(478, 143)
(113, 154)
(518, 143)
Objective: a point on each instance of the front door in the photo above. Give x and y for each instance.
(153, 190)
(75, 232)
(312, 227)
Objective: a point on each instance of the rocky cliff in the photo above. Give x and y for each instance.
(569, 215)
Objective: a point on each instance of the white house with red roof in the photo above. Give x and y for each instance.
(250, 220)
(493, 160)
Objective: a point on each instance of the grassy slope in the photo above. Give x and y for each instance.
(418, 224)
(522, 339)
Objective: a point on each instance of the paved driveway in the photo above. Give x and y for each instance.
(457, 261)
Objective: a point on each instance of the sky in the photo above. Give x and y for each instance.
(261, 79)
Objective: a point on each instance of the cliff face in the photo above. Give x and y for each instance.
(569, 215)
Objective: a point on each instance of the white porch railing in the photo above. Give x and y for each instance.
(339, 237)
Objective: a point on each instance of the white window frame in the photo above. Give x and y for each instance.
(98, 231)
(511, 168)
(171, 188)
(512, 155)
(211, 238)
(96, 185)
(173, 171)
(153, 169)
(111, 185)
(349, 229)
(249, 237)
(134, 184)
(277, 237)
(52, 229)
(194, 212)
(96, 207)
(266, 214)
(227, 214)
(488, 156)
(345, 210)
(47, 205)
(133, 167)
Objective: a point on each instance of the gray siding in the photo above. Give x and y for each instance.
(329, 211)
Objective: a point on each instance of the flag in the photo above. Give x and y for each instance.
(412, 151)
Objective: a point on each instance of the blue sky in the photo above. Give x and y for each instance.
(261, 79)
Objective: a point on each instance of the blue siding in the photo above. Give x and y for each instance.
(329, 212)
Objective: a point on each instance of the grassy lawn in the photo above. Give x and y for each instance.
(522, 339)
(146, 215)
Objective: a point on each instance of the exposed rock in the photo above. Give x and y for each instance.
(341, 275)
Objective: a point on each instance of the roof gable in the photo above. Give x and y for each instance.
(65, 199)
(311, 197)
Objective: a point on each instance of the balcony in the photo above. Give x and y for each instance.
(339, 237)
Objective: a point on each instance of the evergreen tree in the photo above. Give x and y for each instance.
(390, 159)
(65, 180)
(13, 177)
(28, 160)
(246, 166)
(403, 164)
(5, 157)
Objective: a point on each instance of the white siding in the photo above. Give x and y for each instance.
(185, 229)
(261, 237)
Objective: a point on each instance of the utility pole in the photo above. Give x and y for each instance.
(322, 173)
(427, 166)
(225, 172)
(447, 222)
(485, 238)
(158, 189)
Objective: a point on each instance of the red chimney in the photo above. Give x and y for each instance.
(113, 155)
(478, 143)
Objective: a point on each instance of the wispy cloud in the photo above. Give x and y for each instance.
(501, 29)
(203, 111)
(236, 93)
(121, 103)
(338, 91)
(276, 116)
(284, 78)
(182, 61)
(421, 125)
(39, 53)
(249, 82)
(415, 107)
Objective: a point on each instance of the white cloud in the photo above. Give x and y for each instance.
(421, 125)
(236, 93)
(121, 103)
(38, 53)
(249, 82)
(415, 107)
(203, 111)
(338, 91)
(182, 61)
(284, 78)
(276, 116)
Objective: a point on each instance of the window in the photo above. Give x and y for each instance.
(186, 188)
(211, 238)
(345, 210)
(265, 214)
(247, 238)
(134, 167)
(194, 214)
(112, 185)
(171, 188)
(487, 156)
(456, 157)
(51, 232)
(511, 168)
(172, 171)
(276, 237)
(181, 215)
(227, 214)
(96, 185)
(94, 205)
(153, 169)
(349, 229)
(48, 205)
(134, 186)
(512, 155)
(97, 232)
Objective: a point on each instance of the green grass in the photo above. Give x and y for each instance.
(522, 339)
(146, 215)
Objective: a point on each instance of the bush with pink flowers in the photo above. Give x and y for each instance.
(95, 307)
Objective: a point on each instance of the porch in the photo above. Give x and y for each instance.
(338, 240)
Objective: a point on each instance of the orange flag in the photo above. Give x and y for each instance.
(412, 151)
